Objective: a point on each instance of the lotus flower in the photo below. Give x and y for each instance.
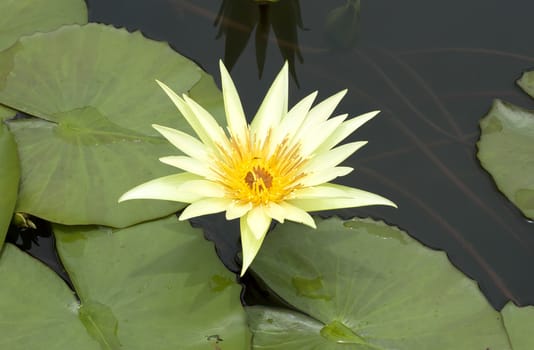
(278, 167)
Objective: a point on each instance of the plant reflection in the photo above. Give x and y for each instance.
(25, 231)
(238, 18)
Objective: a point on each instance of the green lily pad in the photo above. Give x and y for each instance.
(96, 97)
(6, 113)
(505, 151)
(37, 308)
(365, 285)
(519, 322)
(9, 179)
(157, 285)
(23, 17)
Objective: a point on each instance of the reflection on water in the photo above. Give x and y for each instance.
(433, 69)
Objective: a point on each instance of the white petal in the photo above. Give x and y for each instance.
(273, 107)
(187, 113)
(258, 221)
(188, 164)
(237, 210)
(275, 211)
(345, 129)
(296, 214)
(333, 157)
(332, 196)
(250, 243)
(184, 142)
(317, 134)
(324, 110)
(235, 117)
(204, 207)
(293, 119)
(166, 188)
(205, 188)
(210, 125)
(324, 175)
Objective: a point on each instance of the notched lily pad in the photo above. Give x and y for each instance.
(9, 178)
(157, 285)
(24, 17)
(505, 150)
(95, 96)
(519, 322)
(385, 291)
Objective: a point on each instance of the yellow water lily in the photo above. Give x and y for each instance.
(278, 167)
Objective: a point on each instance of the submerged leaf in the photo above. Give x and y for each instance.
(366, 285)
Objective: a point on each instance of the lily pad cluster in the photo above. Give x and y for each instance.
(141, 279)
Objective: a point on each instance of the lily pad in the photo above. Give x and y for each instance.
(9, 179)
(505, 151)
(157, 285)
(96, 97)
(519, 322)
(23, 17)
(37, 308)
(364, 285)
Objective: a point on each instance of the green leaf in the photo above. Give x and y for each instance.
(365, 285)
(6, 113)
(94, 140)
(157, 285)
(23, 17)
(37, 309)
(9, 179)
(505, 151)
(519, 322)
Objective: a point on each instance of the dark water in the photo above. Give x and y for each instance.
(433, 68)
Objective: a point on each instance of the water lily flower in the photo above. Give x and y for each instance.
(278, 167)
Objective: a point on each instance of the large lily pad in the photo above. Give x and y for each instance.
(365, 285)
(23, 17)
(519, 322)
(9, 178)
(37, 309)
(96, 98)
(157, 285)
(505, 149)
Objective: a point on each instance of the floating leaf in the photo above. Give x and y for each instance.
(9, 178)
(23, 17)
(37, 308)
(365, 285)
(96, 96)
(157, 285)
(519, 322)
(505, 150)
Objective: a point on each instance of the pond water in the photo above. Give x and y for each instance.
(432, 68)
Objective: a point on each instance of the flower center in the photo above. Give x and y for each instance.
(258, 172)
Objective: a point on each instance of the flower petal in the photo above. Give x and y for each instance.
(333, 196)
(275, 211)
(204, 207)
(273, 107)
(205, 188)
(332, 157)
(296, 214)
(345, 129)
(324, 110)
(211, 127)
(258, 221)
(237, 210)
(250, 243)
(188, 164)
(324, 175)
(235, 116)
(316, 135)
(187, 113)
(184, 142)
(170, 188)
